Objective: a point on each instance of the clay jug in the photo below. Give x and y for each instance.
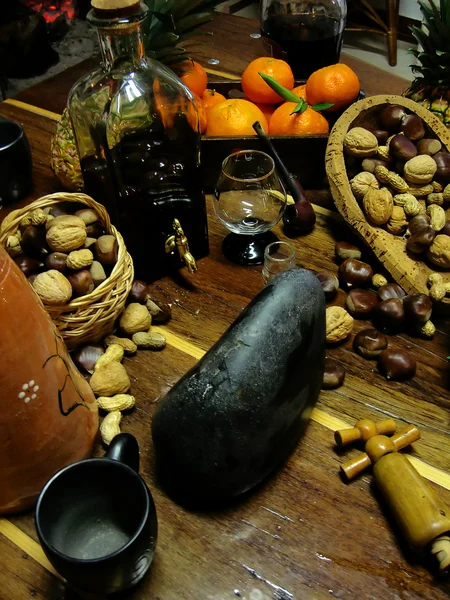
(48, 414)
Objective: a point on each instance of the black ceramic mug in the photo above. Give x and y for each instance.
(15, 163)
(96, 520)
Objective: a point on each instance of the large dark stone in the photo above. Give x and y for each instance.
(240, 411)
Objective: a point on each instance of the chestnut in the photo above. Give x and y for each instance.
(380, 134)
(106, 249)
(428, 146)
(88, 215)
(389, 315)
(33, 241)
(397, 364)
(391, 118)
(58, 211)
(97, 273)
(56, 260)
(334, 374)
(329, 283)
(418, 308)
(94, 230)
(446, 229)
(29, 266)
(442, 160)
(369, 343)
(355, 273)
(413, 127)
(360, 303)
(418, 222)
(86, 356)
(31, 278)
(160, 312)
(391, 290)
(344, 250)
(402, 148)
(81, 282)
(138, 292)
(420, 241)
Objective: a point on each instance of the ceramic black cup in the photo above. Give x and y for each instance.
(15, 163)
(96, 520)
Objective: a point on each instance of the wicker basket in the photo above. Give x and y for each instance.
(88, 318)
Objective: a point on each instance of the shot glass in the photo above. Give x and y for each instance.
(278, 257)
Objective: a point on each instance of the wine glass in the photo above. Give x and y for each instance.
(249, 199)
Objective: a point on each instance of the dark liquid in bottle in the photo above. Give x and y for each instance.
(146, 181)
(307, 43)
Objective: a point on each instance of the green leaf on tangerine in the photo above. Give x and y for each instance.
(301, 107)
(279, 89)
(322, 105)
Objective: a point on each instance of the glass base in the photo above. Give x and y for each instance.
(247, 250)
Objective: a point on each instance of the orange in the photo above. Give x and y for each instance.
(266, 109)
(211, 98)
(234, 117)
(300, 91)
(201, 113)
(254, 86)
(282, 122)
(336, 83)
(193, 75)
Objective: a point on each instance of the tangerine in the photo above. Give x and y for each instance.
(300, 91)
(193, 75)
(254, 86)
(282, 122)
(336, 83)
(210, 98)
(234, 117)
(266, 109)
(202, 120)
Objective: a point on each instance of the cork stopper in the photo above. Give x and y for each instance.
(115, 8)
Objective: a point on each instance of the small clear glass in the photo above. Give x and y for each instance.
(249, 199)
(278, 256)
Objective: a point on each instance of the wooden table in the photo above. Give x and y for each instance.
(303, 534)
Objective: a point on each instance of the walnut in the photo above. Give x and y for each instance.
(437, 217)
(378, 205)
(79, 259)
(53, 288)
(339, 324)
(397, 224)
(439, 251)
(136, 318)
(360, 142)
(66, 233)
(362, 183)
(420, 169)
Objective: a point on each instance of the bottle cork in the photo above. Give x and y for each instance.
(113, 4)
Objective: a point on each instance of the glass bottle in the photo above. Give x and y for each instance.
(306, 33)
(136, 129)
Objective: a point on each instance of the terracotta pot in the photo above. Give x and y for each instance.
(48, 414)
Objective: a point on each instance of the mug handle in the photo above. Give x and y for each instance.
(125, 449)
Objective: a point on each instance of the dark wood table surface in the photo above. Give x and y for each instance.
(303, 534)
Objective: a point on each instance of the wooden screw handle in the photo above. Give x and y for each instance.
(364, 430)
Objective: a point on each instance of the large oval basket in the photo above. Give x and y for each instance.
(87, 318)
(411, 274)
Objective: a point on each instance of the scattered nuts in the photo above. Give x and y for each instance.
(397, 223)
(329, 283)
(389, 315)
(439, 251)
(110, 380)
(109, 427)
(418, 308)
(391, 290)
(79, 259)
(355, 273)
(379, 280)
(52, 287)
(339, 324)
(138, 292)
(438, 292)
(117, 402)
(428, 329)
(86, 357)
(397, 364)
(369, 343)
(135, 318)
(114, 353)
(360, 303)
(149, 340)
(334, 374)
(344, 250)
(161, 313)
(128, 346)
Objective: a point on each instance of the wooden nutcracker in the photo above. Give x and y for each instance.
(423, 519)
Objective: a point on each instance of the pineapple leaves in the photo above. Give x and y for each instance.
(184, 7)
(192, 21)
(164, 39)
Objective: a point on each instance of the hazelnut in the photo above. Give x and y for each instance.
(334, 374)
(106, 249)
(391, 290)
(413, 127)
(428, 146)
(57, 260)
(391, 118)
(402, 148)
(418, 308)
(138, 292)
(389, 315)
(355, 273)
(329, 283)
(397, 364)
(344, 250)
(360, 303)
(369, 343)
(81, 282)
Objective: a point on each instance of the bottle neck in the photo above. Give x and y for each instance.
(121, 46)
